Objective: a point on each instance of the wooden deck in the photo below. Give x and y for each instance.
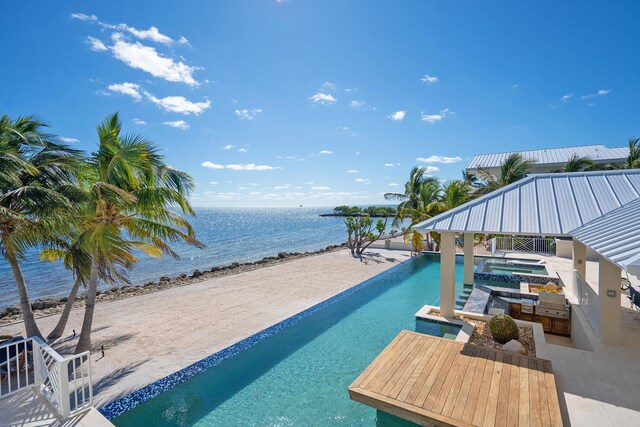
(437, 382)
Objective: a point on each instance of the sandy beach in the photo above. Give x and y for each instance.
(147, 337)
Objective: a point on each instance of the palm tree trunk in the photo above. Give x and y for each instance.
(62, 322)
(30, 325)
(84, 342)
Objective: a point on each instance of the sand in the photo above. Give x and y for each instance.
(147, 337)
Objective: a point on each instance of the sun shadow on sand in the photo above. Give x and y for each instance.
(113, 377)
(67, 346)
(376, 258)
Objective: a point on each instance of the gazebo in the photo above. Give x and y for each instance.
(600, 210)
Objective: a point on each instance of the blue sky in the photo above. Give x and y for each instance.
(270, 103)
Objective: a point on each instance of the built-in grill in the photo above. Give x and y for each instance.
(552, 305)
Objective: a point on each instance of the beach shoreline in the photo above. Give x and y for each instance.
(52, 305)
(148, 337)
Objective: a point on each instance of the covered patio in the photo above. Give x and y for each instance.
(595, 209)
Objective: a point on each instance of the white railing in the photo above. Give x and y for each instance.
(589, 301)
(64, 382)
(523, 244)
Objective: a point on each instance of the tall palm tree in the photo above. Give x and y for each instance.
(513, 169)
(633, 161)
(414, 190)
(453, 194)
(131, 196)
(35, 180)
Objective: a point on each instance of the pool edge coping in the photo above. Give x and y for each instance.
(132, 400)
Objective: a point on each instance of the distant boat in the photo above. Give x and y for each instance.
(300, 206)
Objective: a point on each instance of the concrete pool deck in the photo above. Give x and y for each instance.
(148, 337)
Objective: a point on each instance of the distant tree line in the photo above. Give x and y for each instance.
(373, 211)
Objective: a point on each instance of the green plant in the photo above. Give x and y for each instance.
(5, 337)
(503, 328)
(362, 232)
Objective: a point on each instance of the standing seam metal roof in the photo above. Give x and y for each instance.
(542, 204)
(615, 236)
(552, 156)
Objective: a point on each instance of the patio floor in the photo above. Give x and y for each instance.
(435, 381)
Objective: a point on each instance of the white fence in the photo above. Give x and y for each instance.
(589, 301)
(522, 244)
(31, 363)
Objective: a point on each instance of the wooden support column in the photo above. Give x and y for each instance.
(447, 274)
(609, 275)
(468, 258)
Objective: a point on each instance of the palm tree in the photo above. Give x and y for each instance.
(578, 164)
(633, 161)
(453, 194)
(414, 191)
(35, 178)
(513, 169)
(131, 194)
(77, 259)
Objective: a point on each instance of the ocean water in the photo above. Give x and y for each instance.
(299, 376)
(231, 234)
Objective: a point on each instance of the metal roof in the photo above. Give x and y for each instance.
(615, 236)
(551, 204)
(552, 156)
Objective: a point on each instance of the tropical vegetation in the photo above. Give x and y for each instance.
(94, 213)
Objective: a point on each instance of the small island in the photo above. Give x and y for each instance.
(372, 211)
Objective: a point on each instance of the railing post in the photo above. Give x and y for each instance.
(63, 397)
(37, 361)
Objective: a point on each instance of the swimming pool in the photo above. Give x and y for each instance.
(300, 375)
(437, 328)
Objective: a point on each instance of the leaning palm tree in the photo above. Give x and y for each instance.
(35, 177)
(513, 169)
(131, 197)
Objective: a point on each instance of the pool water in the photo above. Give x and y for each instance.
(438, 329)
(507, 269)
(300, 375)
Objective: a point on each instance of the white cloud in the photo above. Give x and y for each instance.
(282, 187)
(179, 124)
(429, 79)
(246, 114)
(321, 188)
(439, 159)
(325, 152)
(228, 147)
(322, 98)
(213, 183)
(353, 171)
(179, 104)
(430, 169)
(131, 89)
(365, 180)
(390, 165)
(139, 122)
(67, 140)
(83, 17)
(96, 44)
(601, 92)
(357, 104)
(398, 116)
(566, 97)
(344, 128)
(249, 167)
(242, 150)
(145, 58)
(238, 167)
(152, 34)
(393, 184)
(211, 165)
(328, 86)
(432, 118)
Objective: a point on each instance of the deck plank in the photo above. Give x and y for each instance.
(438, 382)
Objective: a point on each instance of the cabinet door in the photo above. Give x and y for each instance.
(526, 316)
(546, 322)
(560, 326)
(514, 310)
